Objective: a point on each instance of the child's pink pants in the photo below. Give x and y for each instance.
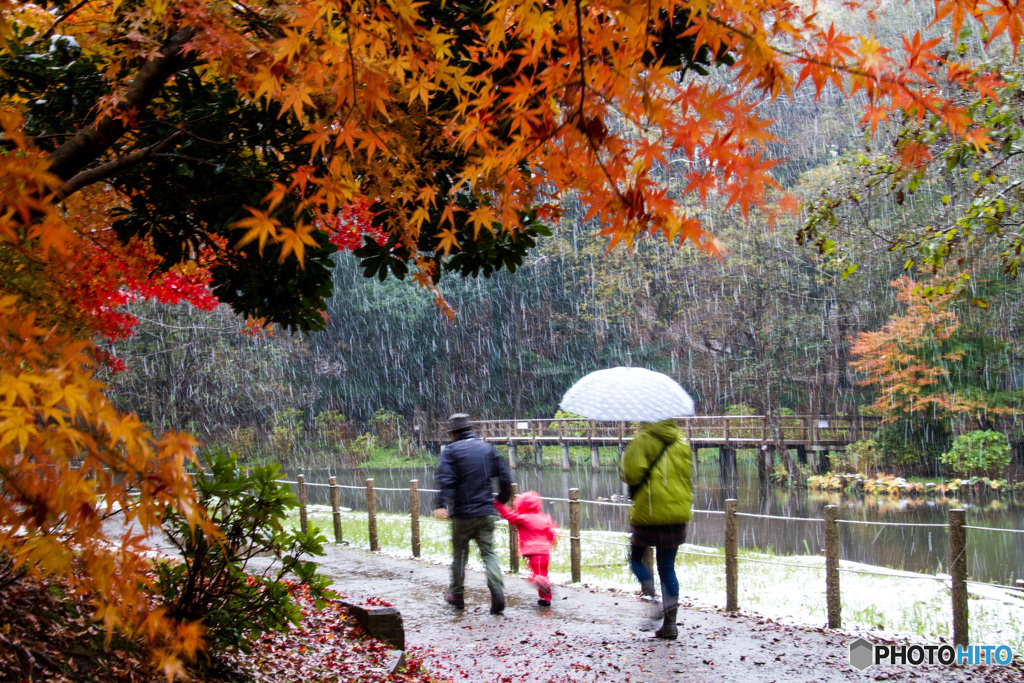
(539, 574)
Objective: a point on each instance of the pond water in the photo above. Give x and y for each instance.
(996, 557)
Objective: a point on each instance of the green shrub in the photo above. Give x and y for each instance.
(285, 428)
(862, 456)
(578, 429)
(385, 425)
(210, 584)
(738, 409)
(332, 426)
(978, 454)
(907, 447)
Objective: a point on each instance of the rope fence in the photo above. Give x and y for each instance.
(957, 529)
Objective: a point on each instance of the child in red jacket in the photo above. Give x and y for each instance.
(536, 538)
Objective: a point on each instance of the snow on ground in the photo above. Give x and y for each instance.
(876, 601)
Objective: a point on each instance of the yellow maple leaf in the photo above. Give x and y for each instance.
(261, 226)
(448, 240)
(294, 240)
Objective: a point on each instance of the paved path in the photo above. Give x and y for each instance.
(597, 636)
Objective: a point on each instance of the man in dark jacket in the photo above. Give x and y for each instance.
(464, 474)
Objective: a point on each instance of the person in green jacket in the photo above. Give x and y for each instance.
(656, 466)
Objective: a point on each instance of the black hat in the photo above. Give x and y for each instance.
(459, 422)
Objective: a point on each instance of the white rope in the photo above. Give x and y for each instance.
(794, 519)
(781, 564)
(861, 521)
(598, 540)
(997, 585)
(990, 528)
(893, 576)
(694, 552)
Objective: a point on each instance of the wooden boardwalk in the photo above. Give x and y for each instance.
(820, 434)
(731, 431)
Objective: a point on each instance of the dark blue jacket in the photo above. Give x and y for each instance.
(464, 475)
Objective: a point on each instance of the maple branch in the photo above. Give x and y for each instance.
(843, 68)
(71, 157)
(583, 70)
(355, 94)
(604, 169)
(99, 173)
(62, 18)
(259, 23)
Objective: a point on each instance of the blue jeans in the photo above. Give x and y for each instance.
(666, 563)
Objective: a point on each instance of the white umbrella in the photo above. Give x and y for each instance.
(634, 394)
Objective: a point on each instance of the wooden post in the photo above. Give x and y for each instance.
(764, 468)
(958, 569)
(731, 586)
(727, 469)
(824, 464)
(835, 618)
(538, 454)
(574, 534)
(371, 514)
(335, 509)
(595, 458)
(414, 515)
(648, 561)
(513, 539)
(566, 463)
(513, 460)
(622, 449)
(303, 518)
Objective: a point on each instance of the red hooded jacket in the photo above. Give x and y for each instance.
(536, 529)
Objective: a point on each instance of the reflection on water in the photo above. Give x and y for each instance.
(992, 556)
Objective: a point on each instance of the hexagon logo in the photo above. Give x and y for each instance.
(862, 654)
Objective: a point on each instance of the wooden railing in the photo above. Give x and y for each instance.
(705, 429)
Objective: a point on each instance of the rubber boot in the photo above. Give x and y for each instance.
(647, 588)
(668, 630)
(497, 602)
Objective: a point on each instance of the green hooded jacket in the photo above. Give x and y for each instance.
(666, 497)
